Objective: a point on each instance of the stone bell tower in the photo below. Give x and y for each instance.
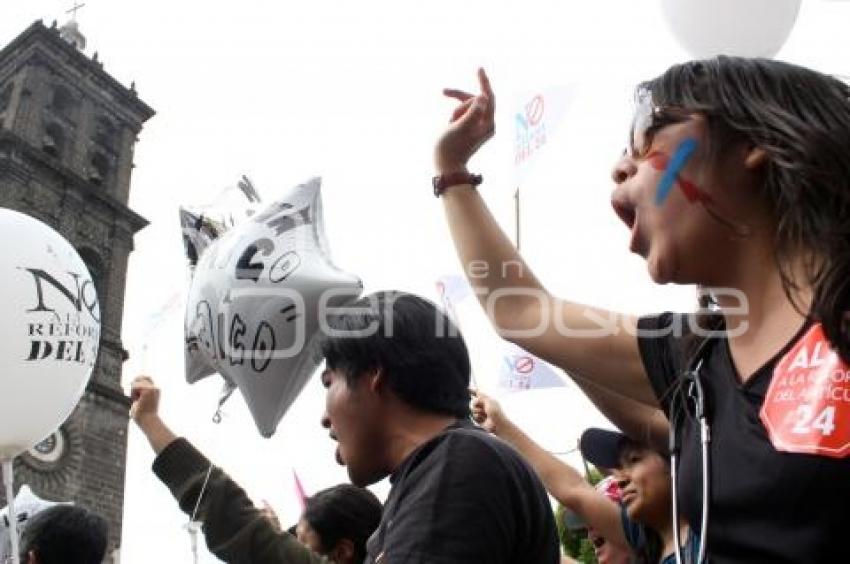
(67, 131)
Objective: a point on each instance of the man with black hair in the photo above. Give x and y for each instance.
(397, 378)
(64, 534)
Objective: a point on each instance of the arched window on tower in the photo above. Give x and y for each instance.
(63, 103)
(99, 168)
(53, 141)
(106, 134)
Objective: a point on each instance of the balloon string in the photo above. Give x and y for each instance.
(8, 483)
(144, 369)
(193, 525)
(201, 494)
(226, 391)
(564, 452)
(192, 529)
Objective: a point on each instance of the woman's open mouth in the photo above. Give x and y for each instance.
(628, 215)
(625, 212)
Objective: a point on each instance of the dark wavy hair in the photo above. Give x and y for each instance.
(801, 119)
(344, 512)
(420, 350)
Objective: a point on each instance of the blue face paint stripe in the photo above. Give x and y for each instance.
(680, 158)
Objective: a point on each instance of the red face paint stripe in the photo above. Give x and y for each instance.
(660, 161)
(692, 192)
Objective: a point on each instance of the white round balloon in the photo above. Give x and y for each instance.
(746, 28)
(49, 331)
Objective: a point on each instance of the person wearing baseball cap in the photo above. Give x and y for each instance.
(598, 510)
(643, 477)
(640, 521)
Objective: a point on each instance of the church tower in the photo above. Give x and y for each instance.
(67, 131)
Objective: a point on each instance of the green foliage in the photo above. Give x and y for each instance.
(575, 542)
(570, 540)
(586, 554)
(595, 475)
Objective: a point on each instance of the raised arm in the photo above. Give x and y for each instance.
(561, 480)
(590, 344)
(234, 529)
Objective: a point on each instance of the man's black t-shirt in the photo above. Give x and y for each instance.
(766, 505)
(465, 496)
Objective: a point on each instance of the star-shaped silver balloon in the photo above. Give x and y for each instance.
(257, 295)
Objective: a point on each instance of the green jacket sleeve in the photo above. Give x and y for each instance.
(234, 529)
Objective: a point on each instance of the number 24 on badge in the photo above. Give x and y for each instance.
(807, 406)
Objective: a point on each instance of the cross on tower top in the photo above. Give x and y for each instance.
(73, 11)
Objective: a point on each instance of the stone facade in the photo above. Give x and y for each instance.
(67, 131)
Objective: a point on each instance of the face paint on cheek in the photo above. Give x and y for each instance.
(672, 168)
(693, 193)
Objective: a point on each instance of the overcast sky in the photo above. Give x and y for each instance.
(351, 91)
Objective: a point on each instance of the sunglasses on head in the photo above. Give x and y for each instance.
(647, 121)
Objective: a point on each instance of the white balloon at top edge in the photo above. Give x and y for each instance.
(746, 28)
